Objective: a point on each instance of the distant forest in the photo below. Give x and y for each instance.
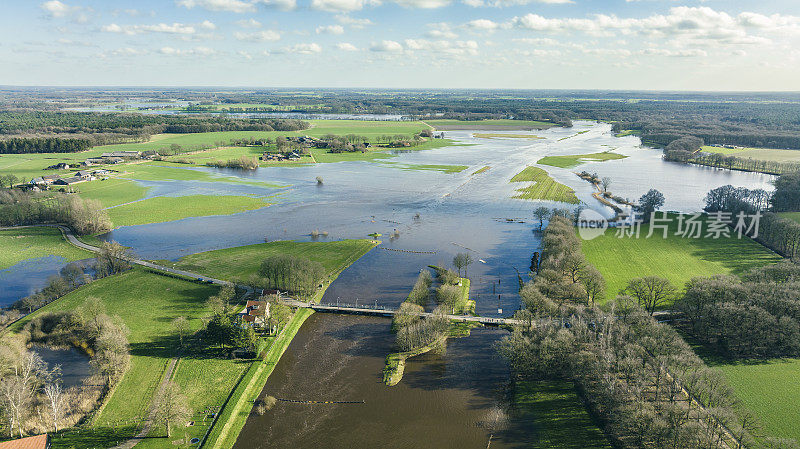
(770, 120)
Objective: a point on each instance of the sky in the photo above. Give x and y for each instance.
(521, 44)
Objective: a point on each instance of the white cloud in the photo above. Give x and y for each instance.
(55, 8)
(304, 49)
(283, 5)
(685, 53)
(483, 25)
(386, 46)
(248, 23)
(423, 4)
(352, 22)
(197, 51)
(504, 3)
(342, 5)
(237, 6)
(208, 25)
(346, 46)
(441, 30)
(258, 36)
(175, 28)
(330, 29)
(443, 46)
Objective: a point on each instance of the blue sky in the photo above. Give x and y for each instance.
(595, 44)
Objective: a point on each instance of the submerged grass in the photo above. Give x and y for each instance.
(28, 243)
(167, 208)
(543, 187)
(578, 159)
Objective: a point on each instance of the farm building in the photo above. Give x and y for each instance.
(36, 442)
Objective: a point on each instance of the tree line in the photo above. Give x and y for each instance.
(30, 208)
(293, 274)
(23, 145)
(757, 316)
(640, 379)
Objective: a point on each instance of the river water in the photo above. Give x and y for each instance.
(442, 398)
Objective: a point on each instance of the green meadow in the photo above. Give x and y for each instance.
(561, 420)
(542, 187)
(238, 264)
(28, 243)
(675, 258)
(763, 154)
(578, 159)
(168, 208)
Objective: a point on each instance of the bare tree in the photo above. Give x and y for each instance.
(541, 213)
(651, 291)
(605, 182)
(55, 400)
(462, 261)
(171, 408)
(181, 325)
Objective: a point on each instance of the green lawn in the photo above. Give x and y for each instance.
(112, 191)
(542, 187)
(791, 215)
(146, 303)
(675, 258)
(27, 243)
(559, 417)
(578, 159)
(239, 263)
(763, 154)
(165, 208)
(488, 125)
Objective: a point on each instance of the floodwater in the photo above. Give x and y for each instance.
(74, 365)
(443, 398)
(28, 276)
(443, 401)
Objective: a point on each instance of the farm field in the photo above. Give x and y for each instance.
(488, 125)
(562, 419)
(675, 258)
(575, 160)
(239, 263)
(771, 391)
(542, 187)
(168, 208)
(764, 154)
(28, 243)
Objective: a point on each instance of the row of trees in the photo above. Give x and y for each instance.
(643, 382)
(735, 163)
(294, 274)
(779, 233)
(755, 317)
(29, 208)
(23, 145)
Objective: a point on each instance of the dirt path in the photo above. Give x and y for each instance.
(151, 412)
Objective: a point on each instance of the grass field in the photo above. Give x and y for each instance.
(573, 135)
(578, 159)
(167, 208)
(561, 420)
(112, 191)
(483, 169)
(28, 243)
(239, 263)
(791, 215)
(675, 258)
(146, 303)
(763, 154)
(542, 187)
(489, 125)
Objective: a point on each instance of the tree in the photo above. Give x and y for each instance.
(181, 325)
(605, 182)
(651, 292)
(73, 274)
(113, 258)
(541, 213)
(172, 407)
(462, 261)
(649, 203)
(594, 283)
(55, 400)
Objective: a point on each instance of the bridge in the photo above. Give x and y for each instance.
(365, 309)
